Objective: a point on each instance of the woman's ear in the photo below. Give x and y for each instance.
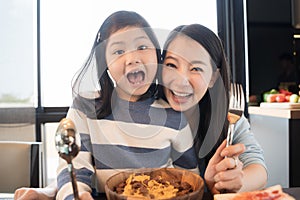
(214, 77)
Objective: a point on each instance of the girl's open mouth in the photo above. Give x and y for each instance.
(136, 77)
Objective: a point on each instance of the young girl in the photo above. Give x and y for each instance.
(122, 126)
(195, 76)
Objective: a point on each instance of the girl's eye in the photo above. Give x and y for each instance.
(118, 52)
(171, 65)
(142, 47)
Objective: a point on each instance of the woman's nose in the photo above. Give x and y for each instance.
(183, 80)
(180, 78)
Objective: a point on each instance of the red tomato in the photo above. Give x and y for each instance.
(271, 98)
(287, 98)
(280, 98)
(286, 92)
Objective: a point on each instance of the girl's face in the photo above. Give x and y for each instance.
(132, 62)
(186, 74)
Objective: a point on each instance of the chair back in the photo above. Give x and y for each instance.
(20, 165)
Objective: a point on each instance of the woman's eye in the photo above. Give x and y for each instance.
(142, 47)
(118, 52)
(197, 69)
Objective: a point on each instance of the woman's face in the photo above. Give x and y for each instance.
(186, 74)
(132, 62)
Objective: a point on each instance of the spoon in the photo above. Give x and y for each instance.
(68, 148)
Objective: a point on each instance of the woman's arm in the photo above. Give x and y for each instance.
(224, 171)
(255, 169)
(239, 167)
(255, 177)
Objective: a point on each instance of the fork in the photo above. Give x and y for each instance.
(236, 109)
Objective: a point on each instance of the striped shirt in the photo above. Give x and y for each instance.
(143, 134)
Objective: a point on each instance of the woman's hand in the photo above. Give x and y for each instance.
(224, 171)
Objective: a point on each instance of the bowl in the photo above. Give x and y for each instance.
(191, 185)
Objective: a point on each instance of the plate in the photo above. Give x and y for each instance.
(283, 105)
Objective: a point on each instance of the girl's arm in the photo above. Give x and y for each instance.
(46, 193)
(82, 163)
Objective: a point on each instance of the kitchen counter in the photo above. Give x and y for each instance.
(277, 129)
(275, 112)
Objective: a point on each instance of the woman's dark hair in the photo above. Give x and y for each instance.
(214, 104)
(116, 21)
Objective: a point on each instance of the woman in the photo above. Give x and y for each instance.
(195, 77)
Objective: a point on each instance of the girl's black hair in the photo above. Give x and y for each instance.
(116, 21)
(214, 104)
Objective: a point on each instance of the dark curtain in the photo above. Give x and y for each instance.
(231, 30)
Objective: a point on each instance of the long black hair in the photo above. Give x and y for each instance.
(213, 106)
(96, 62)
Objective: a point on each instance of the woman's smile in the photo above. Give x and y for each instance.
(181, 97)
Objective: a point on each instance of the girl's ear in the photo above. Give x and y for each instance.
(214, 77)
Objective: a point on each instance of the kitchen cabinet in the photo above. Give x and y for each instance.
(278, 132)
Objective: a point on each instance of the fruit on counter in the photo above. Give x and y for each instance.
(270, 98)
(285, 92)
(294, 98)
(273, 91)
(265, 95)
(280, 96)
(287, 98)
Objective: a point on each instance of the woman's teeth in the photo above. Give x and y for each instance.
(181, 94)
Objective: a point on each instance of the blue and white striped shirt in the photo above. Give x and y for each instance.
(143, 134)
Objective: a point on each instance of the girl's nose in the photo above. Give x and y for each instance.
(132, 58)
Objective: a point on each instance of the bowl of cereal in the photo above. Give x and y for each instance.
(163, 183)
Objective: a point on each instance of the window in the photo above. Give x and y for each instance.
(68, 32)
(17, 70)
(17, 62)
